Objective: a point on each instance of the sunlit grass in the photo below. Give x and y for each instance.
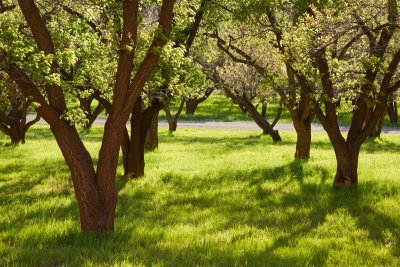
(210, 197)
(221, 108)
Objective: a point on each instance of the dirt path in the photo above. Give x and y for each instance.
(242, 125)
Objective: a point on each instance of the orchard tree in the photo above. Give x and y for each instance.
(176, 75)
(195, 100)
(31, 48)
(14, 108)
(247, 88)
(348, 50)
(252, 35)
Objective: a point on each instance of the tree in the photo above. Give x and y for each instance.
(175, 75)
(193, 102)
(95, 189)
(13, 112)
(343, 52)
(244, 85)
(173, 118)
(253, 36)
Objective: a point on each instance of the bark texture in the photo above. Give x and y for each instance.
(95, 190)
(134, 146)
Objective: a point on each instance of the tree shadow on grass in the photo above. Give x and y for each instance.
(370, 146)
(280, 202)
(314, 202)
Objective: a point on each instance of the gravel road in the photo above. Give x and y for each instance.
(242, 125)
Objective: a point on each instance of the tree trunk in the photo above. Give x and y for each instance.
(173, 119)
(346, 172)
(303, 143)
(261, 121)
(191, 106)
(172, 124)
(135, 161)
(141, 121)
(377, 130)
(347, 163)
(96, 200)
(264, 111)
(151, 141)
(17, 134)
(392, 112)
(193, 103)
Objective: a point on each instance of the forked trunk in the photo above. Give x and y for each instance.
(260, 120)
(96, 200)
(193, 103)
(151, 141)
(346, 172)
(173, 119)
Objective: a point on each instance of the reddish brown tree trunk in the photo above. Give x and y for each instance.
(346, 172)
(96, 192)
(135, 160)
(141, 121)
(261, 121)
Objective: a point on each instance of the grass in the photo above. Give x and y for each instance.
(210, 198)
(220, 108)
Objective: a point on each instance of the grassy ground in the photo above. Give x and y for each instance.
(220, 108)
(210, 198)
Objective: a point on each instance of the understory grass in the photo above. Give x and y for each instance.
(209, 198)
(221, 108)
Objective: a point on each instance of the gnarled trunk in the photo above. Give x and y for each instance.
(347, 165)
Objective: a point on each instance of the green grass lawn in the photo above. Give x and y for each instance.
(220, 108)
(210, 198)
